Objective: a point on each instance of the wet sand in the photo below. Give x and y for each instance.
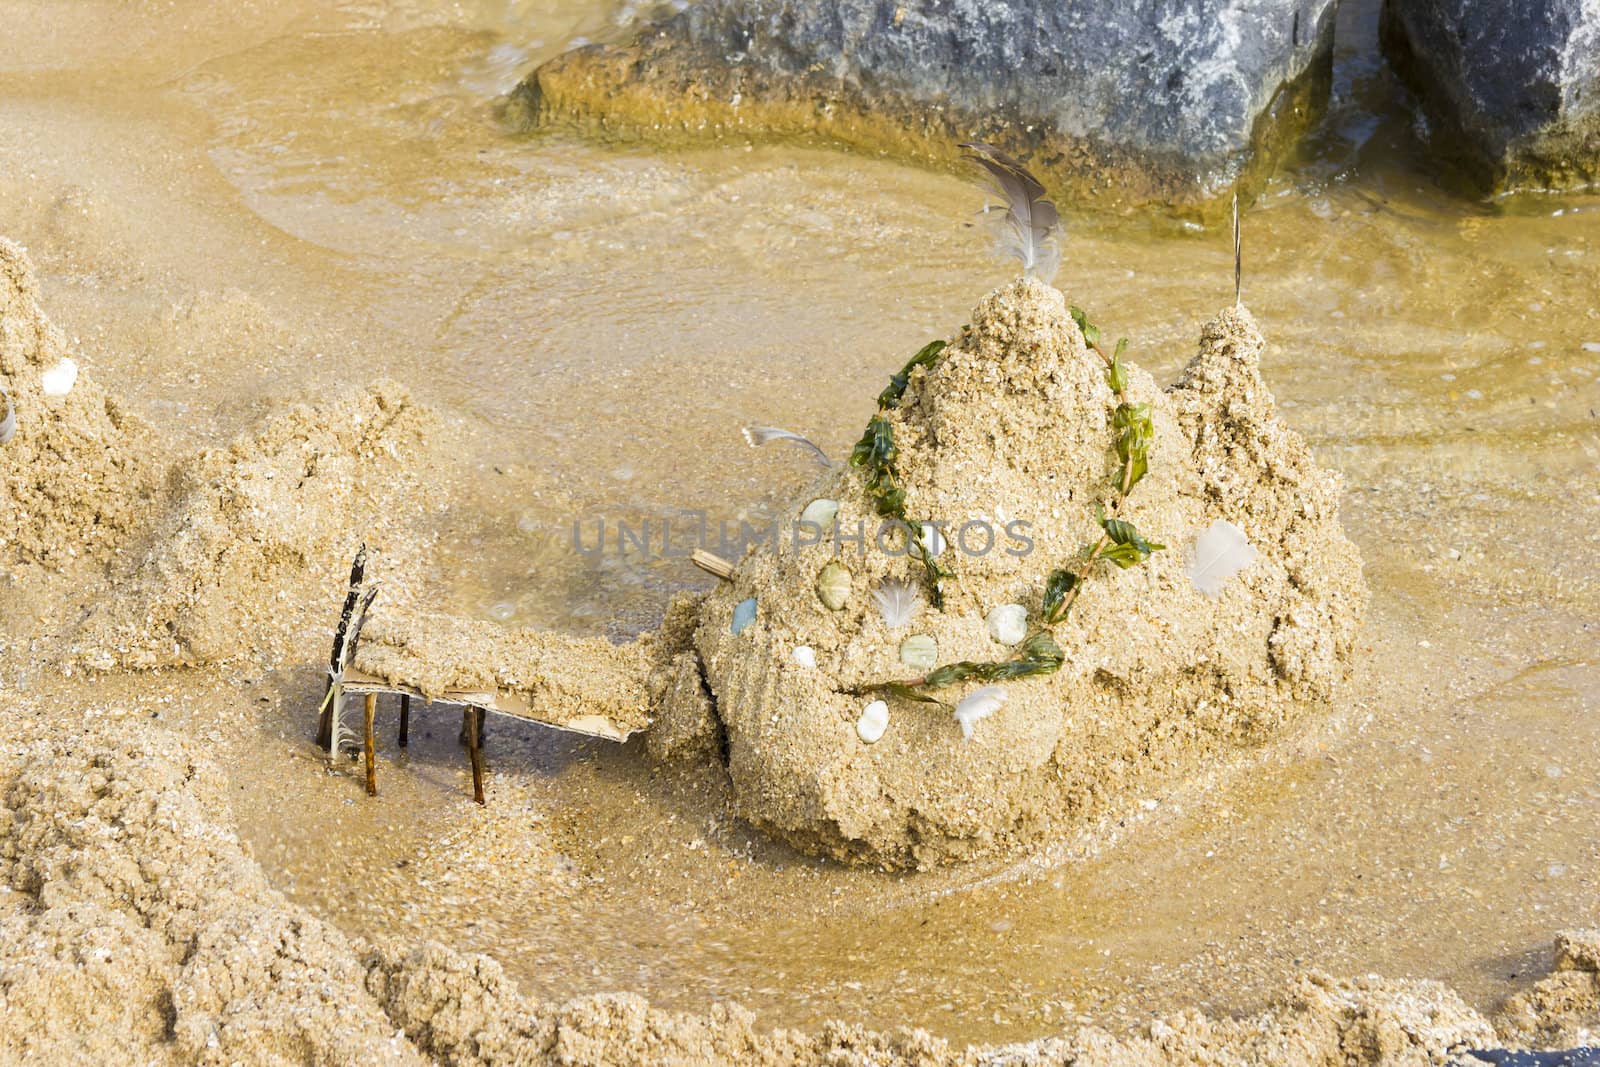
(314, 198)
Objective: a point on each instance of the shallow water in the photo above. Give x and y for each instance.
(235, 206)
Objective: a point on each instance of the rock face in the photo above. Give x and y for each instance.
(1012, 425)
(1149, 100)
(1516, 87)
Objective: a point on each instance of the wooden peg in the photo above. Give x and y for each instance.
(475, 753)
(712, 563)
(371, 745)
(405, 719)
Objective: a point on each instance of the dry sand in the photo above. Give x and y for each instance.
(135, 928)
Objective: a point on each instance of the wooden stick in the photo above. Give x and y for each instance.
(405, 719)
(712, 563)
(475, 752)
(372, 745)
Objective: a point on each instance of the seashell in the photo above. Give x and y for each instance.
(873, 722)
(820, 513)
(57, 381)
(933, 539)
(833, 585)
(8, 422)
(1008, 623)
(743, 615)
(920, 652)
(978, 704)
(504, 611)
(805, 656)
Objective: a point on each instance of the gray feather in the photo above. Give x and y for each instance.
(760, 435)
(1031, 226)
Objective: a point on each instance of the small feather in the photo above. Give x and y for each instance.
(1220, 553)
(1031, 224)
(8, 424)
(977, 705)
(760, 435)
(897, 601)
(57, 381)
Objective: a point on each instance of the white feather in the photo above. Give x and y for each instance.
(1219, 553)
(8, 423)
(57, 381)
(760, 435)
(897, 601)
(977, 705)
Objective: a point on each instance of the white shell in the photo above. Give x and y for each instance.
(57, 381)
(820, 513)
(873, 722)
(920, 652)
(804, 656)
(1008, 623)
(933, 539)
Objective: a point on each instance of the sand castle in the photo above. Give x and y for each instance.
(1014, 423)
(793, 671)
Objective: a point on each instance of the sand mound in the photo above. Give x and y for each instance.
(1014, 423)
(137, 929)
(80, 472)
(253, 555)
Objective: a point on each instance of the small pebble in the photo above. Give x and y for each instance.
(873, 722)
(503, 611)
(1008, 623)
(804, 656)
(743, 616)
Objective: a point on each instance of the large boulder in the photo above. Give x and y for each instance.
(1152, 100)
(1514, 89)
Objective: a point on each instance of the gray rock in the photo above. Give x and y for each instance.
(1513, 88)
(1127, 100)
